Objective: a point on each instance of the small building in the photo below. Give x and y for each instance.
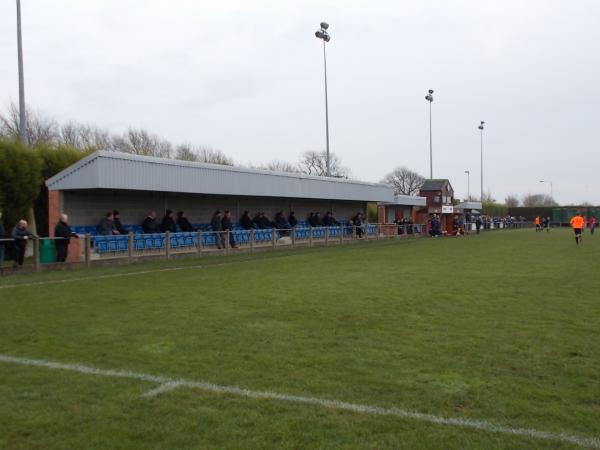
(402, 207)
(134, 185)
(439, 196)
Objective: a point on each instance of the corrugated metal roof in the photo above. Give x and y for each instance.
(112, 170)
(469, 205)
(408, 200)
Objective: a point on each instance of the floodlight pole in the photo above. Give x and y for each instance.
(468, 172)
(326, 110)
(551, 188)
(323, 34)
(429, 98)
(22, 112)
(481, 129)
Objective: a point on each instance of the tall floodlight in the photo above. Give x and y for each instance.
(324, 36)
(551, 187)
(429, 98)
(481, 129)
(468, 172)
(22, 114)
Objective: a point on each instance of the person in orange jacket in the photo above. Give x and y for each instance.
(578, 224)
(537, 224)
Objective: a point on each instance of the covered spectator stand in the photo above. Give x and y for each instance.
(134, 185)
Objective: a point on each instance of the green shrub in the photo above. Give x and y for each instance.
(20, 179)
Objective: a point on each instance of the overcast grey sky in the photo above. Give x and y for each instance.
(247, 78)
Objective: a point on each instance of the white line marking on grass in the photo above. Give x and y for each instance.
(140, 272)
(167, 384)
(167, 269)
(163, 388)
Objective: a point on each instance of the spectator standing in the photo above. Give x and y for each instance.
(183, 223)
(168, 223)
(317, 220)
(106, 226)
(63, 232)
(228, 226)
(149, 224)
(592, 224)
(292, 219)
(358, 222)
(117, 221)
(311, 219)
(246, 221)
(21, 235)
(478, 224)
(216, 223)
(329, 220)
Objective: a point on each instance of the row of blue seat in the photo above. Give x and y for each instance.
(137, 229)
(156, 241)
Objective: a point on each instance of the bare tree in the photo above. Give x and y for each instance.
(84, 137)
(538, 200)
(315, 163)
(404, 181)
(488, 197)
(512, 201)
(40, 129)
(141, 142)
(210, 155)
(277, 166)
(185, 152)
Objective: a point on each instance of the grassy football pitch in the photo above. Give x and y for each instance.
(489, 341)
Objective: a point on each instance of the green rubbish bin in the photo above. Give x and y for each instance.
(47, 251)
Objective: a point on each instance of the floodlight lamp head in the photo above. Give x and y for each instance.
(327, 38)
(320, 35)
(324, 25)
(431, 91)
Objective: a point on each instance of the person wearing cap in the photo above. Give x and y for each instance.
(578, 223)
(168, 223)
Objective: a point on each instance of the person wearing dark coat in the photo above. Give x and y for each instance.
(168, 223)
(329, 220)
(21, 235)
(183, 223)
(228, 226)
(149, 224)
(292, 219)
(216, 223)
(246, 221)
(317, 220)
(478, 224)
(281, 223)
(265, 223)
(106, 226)
(63, 231)
(117, 223)
(257, 220)
(358, 222)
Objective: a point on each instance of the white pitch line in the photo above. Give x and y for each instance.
(140, 272)
(167, 384)
(145, 272)
(163, 388)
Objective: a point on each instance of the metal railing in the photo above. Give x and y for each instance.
(88, 250)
